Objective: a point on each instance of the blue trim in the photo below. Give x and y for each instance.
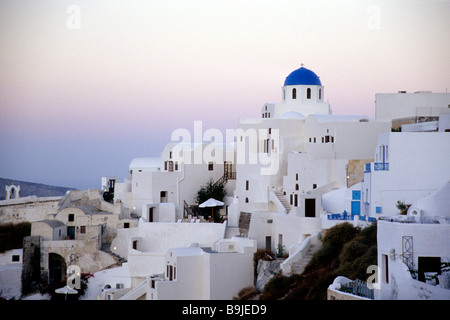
(380, 166)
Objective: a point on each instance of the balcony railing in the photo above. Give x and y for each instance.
(380, 166)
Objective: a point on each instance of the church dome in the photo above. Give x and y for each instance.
(302, 76)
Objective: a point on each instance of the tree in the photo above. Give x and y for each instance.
(211, 189)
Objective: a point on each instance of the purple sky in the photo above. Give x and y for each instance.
(85, 89)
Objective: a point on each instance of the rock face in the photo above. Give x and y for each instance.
(265, 270)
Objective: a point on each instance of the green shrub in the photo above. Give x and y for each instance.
(340, 234)
(346, 251)
(276, 287)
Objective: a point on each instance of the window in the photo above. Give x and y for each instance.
(163, 197)
(176, 165)
(356, 195)
(308, 93)
(71, 217)
(296, 177)
(294, 93)
(314, 185)
(295, 200)
(82, 229)
(385, 266)
(170, 272)
(296, 186)
(170, 155)
(168, 165)
(210, 166)
(246, 184)
(284, 95)
(15, 258)
(266, 146)
(126, 225)
(246, 200)
(320, 94)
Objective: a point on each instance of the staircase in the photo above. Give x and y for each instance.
(299, 266)
(283, 200)
(135, 293)
(187, 210)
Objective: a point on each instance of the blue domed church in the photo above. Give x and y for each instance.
(302, 95)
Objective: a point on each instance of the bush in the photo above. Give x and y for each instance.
(263, 254)
(340, 234)
(275, 288)
(247, 293)
(346, 251)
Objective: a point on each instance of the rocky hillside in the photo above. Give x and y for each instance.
(32, 189)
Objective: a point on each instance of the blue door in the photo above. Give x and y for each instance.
(356, 207)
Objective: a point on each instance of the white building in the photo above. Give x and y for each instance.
(199, 273)
(174, 178)
(412, 249)
(10, 273)
(404, 108)
(299, 151)
(145, 247)
(407, 166)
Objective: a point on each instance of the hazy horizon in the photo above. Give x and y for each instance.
(88, 85)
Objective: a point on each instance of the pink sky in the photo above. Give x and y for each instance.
(77, 104)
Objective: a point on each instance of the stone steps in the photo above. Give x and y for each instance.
(283, 200)
(299, 266)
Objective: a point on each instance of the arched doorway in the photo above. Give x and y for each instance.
(56, 268)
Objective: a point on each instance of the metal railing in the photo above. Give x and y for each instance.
(358, 288)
